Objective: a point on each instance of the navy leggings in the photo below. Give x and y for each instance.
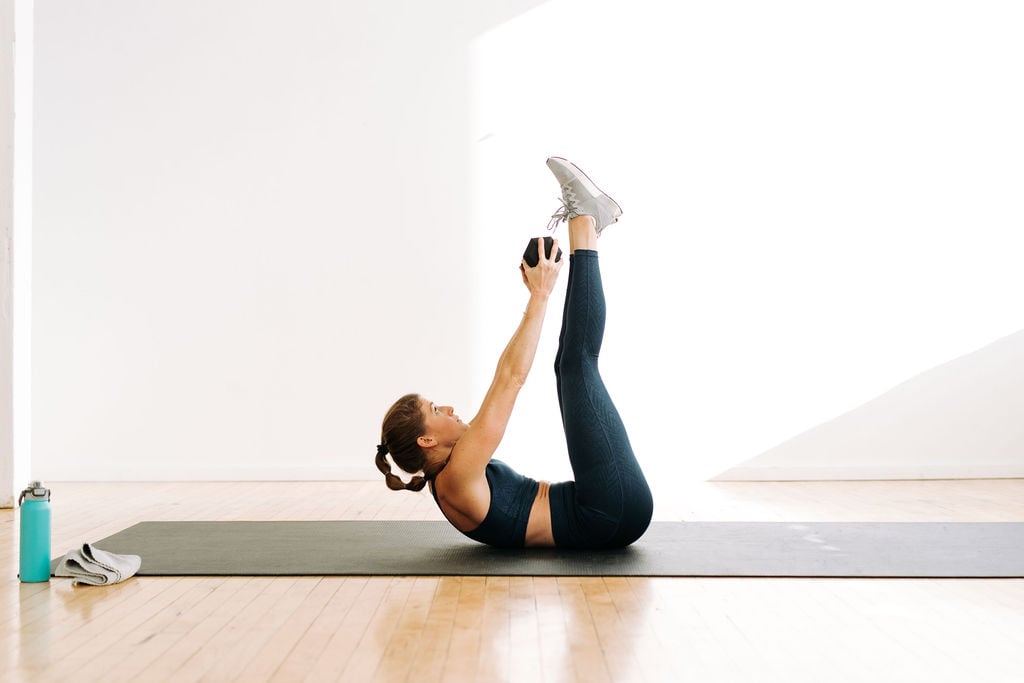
(609, 505)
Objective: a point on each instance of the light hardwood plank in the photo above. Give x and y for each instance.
(396, 660)
(431, 652)
(317, 636)
(289, 632)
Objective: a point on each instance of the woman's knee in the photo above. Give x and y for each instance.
(576, 366)
(599, 522)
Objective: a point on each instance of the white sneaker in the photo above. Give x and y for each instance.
(581, 197)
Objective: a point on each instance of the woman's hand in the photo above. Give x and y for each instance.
(540, 279)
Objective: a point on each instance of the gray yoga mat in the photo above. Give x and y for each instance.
(416, 548)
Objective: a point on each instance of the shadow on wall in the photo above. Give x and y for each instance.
(965, 411)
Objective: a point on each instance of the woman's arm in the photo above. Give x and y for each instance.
(475, 448)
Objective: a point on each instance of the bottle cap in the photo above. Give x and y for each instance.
(35, 491)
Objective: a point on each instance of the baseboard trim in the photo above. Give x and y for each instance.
(215, 474)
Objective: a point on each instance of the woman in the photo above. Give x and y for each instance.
(609, 504)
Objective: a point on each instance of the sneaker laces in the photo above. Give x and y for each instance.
(569, 209)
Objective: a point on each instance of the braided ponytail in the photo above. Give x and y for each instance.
(393, 481)
(403, 424)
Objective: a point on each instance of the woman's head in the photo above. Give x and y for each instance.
(420, 436)
(403, 425)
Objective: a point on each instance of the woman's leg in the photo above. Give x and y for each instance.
(582, 235)
(609, 504)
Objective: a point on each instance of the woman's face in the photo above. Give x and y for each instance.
(442, 423)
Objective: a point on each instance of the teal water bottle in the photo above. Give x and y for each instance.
(35, 533)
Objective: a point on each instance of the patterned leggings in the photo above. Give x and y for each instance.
(609, 505)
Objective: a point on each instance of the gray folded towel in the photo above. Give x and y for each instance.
(97, 567)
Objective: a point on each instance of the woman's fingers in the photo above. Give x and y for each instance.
(553, 256)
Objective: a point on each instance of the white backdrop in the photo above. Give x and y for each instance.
(257, 226)
(820, 201)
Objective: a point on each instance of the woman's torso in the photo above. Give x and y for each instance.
(487, 506)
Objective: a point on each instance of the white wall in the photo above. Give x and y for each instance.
(238, 206)
(6, 239)
(252, 231)
(16, 248)
(821, 202)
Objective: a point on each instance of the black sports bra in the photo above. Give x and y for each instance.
(512, 497)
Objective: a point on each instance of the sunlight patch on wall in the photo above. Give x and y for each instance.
(820, 202)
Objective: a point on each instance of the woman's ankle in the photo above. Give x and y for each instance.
(582, 233)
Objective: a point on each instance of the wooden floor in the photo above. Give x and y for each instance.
(515, 629)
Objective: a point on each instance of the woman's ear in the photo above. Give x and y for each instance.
(426, 441)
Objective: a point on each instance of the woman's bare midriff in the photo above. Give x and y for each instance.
(538, 529)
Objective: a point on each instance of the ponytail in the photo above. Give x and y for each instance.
(393, 481)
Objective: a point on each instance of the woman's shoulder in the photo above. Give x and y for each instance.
(463, 500)
(457, 480)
